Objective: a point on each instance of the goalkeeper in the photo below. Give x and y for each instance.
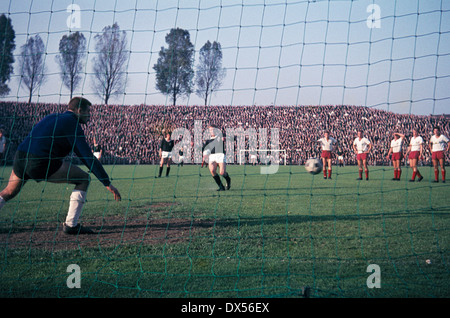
(41, 157)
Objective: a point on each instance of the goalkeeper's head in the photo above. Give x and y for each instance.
(81, 108)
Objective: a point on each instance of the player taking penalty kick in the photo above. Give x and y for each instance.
(40, 157)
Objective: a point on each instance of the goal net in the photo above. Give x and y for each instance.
(286, 72)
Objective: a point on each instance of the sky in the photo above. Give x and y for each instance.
(385, 54)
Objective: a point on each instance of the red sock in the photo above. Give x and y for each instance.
(367, 174)
(329, 173)
(324, 172)
(399, 173)
(395, 173)
(414, 175)
(360, 174)
(443, 175)
(436, 175)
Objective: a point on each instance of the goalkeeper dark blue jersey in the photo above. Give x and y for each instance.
(56, 135)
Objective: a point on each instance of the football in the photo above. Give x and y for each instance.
(313, 166)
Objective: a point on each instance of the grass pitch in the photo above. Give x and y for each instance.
(269, 236)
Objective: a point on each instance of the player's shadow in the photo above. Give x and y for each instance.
(310, 218)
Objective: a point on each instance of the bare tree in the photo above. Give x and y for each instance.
(31, 61)
(70, 57)
(109, 64)
(210, 72)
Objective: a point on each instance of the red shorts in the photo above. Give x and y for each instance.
(397, 156)
(326, 154)
(437, 155)
(361, 156)
(414, 155)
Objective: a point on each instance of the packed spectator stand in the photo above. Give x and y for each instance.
(132, 134)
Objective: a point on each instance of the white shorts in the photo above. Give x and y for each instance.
(97, 154)
(181, 158)
(217, 157)
(166, 154)
(340, 158)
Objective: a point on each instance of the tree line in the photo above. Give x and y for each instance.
(176, 72)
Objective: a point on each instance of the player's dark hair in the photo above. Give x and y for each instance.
(79, 102)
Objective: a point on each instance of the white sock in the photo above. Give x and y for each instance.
(2, 202)
(77, 199)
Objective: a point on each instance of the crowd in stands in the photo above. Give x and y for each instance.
(132, 134)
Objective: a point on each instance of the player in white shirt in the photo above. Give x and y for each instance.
(362, 146)
(397, 154)
(439, 145)
(415, 153)
(327, 144)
